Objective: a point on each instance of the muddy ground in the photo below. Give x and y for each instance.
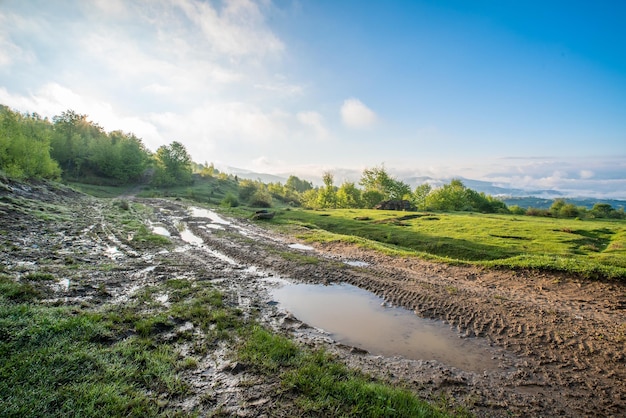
(559, 342)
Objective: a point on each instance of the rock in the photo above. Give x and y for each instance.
(395, 204)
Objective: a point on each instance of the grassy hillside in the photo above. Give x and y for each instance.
(589, 248)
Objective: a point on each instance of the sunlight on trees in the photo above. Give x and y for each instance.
(25, 146)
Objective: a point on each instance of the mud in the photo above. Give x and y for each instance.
(559, 342)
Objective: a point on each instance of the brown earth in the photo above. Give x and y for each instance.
(559, 341)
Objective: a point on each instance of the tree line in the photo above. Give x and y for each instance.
(72, 148)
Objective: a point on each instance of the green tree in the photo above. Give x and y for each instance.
(561, 209)
(72, 143)
(602, 210)
(309, 199)
(173, 165)
(456, 197)
(246, 189)
(298, 185)
(420, 194)
(25, 146)
(377, 179)
(327, 197)
(348, 196)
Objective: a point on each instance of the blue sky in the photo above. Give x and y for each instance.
(524, 94)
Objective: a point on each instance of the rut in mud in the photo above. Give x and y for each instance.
(558, 343)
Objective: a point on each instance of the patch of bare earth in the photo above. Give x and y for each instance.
(559, 341)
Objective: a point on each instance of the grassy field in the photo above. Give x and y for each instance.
(593, 249)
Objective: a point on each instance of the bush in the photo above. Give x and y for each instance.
(230, 201)
(261, 199)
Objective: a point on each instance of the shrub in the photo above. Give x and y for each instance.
(261, 199)
(230, 200)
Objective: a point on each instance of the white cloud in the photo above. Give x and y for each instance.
(315, 121)
(355, 114)
(113, 8)
(586, 174)
(10, 52)
(239, 30)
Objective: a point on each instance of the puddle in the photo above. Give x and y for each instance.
(356, 263)
(190, 237)
(113, 253)
(355, 317)
(161, 231)
(301, 247)
(205, 213)
(213, 226)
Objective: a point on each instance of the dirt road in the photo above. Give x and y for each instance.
(559, 342)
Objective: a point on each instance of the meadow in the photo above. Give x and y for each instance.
(590, 248)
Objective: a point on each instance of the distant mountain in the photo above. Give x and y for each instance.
(251, 175)
(484, 187)
(540, 203)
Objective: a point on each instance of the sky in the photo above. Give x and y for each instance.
(528, 94)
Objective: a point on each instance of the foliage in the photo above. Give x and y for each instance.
(420, 194)
(298, 185)
(25, 146)
(377, 179)
(230, 200)
(456, 197)
(348, 196)
(173, 165)
(327, 197)
(261, 198)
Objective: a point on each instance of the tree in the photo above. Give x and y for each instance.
(25, 146)
(173, 165)
(377, 179)
(298, 185)
(72, 141)
(561, 209)
(327, 197)
(602, 210)
(456, 197)
(420, 194)
(348, 196)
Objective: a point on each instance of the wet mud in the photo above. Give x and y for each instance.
(555, 344)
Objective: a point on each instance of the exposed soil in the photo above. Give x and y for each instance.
(560, 341)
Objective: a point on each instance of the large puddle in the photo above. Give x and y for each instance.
(358, 318)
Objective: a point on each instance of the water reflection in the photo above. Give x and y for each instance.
(354, 316)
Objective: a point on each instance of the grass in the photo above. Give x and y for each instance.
(204, 189)
(69, 361)
(55, 364)
(115, 361)
(591, 248)
(323, 386)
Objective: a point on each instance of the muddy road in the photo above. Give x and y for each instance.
(553, 345)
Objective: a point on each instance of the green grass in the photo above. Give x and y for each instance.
(324, 387)
(54, 363)
(100, 190)
(589, 248)
(68, 361)
(204, 189)
(76, 361)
